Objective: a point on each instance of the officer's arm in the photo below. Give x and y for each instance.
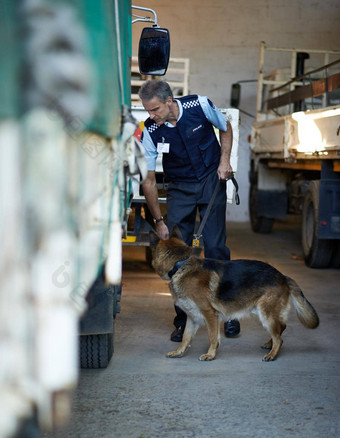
(151, 195)
(226, 139)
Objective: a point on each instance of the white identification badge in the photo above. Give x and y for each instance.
(163, 148)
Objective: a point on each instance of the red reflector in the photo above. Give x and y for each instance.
(323, 223)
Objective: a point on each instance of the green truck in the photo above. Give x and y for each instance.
(67, 154)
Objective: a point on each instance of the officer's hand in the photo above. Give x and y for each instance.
(162, 230)
(224, 170)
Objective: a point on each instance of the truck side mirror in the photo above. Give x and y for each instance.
(235, 95)
(154, 51)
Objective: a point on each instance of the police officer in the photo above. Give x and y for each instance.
(193, 163)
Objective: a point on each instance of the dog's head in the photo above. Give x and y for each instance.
(165, 253)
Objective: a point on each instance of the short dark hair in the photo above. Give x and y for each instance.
(155, 88)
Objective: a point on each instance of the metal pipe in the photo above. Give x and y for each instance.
(146, 19)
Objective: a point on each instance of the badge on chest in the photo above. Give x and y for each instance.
(163, 147)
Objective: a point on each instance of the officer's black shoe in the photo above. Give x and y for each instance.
(232, 328)
(177, 334)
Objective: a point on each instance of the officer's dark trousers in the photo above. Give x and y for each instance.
(183, 200)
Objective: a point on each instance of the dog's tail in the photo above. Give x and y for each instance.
(305, 311)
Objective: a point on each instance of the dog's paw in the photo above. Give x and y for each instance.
(268, 358)
(174, 354)
(207, 357)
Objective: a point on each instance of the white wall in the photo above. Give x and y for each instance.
(221, 38)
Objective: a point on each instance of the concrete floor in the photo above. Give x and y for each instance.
(144, 394)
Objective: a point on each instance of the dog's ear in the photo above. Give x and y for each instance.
(154, 239)
(176, 233)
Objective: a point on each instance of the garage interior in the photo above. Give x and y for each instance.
(98, 358)
(142, 394)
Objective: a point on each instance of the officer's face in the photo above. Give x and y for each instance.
(158, 111)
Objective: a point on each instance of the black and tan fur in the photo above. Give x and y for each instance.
(212, 290)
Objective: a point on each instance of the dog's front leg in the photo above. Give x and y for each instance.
(212, 321)
(189, 332)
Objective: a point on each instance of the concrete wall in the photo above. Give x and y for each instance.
(222, 37)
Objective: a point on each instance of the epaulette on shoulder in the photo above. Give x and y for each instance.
(189, 101)
(150, 125)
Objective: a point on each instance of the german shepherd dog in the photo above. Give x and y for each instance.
(213, 290)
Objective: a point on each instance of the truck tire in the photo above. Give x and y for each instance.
(259, 224)
(96, 350)
(317, 252)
